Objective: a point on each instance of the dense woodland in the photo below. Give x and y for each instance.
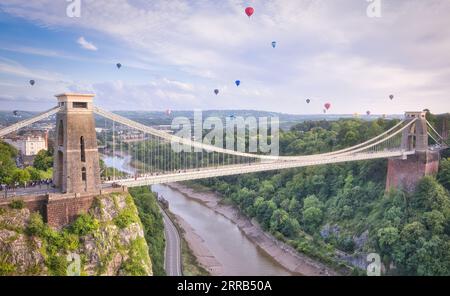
(343, 209)
(152, 220)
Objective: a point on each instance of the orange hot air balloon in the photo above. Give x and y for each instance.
(249, 11)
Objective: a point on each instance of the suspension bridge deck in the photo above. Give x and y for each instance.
(229, 170)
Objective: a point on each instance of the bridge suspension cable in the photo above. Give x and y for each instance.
(29, 121)
(215, 149)
(443, 141)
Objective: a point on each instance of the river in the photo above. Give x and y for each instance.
(237, 254)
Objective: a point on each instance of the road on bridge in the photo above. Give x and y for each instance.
(172, 256)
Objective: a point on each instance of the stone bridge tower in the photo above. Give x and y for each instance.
(406, 173)
(76, 166)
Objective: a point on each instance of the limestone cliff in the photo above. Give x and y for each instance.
(109, 240)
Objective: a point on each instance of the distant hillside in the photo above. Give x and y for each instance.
(286, 120)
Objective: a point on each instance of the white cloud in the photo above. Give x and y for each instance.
(86, 45)
(327, 50)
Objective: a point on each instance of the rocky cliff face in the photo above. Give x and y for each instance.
(109, 240)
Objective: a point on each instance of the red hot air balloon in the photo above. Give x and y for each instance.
(249, 11)
(327, 106)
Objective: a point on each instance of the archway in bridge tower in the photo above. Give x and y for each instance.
(58, 175)
(61, 133)
(412, 138)
(84, 178)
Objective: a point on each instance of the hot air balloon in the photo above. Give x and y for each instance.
(16, 113)
(216, 91)
(32, 82)
(119, 65)
(327, 106)
(308, 101)
(391, 97)
(238, 82)
(274, 44)
(249, 11)
(368, 113)
(168, 112)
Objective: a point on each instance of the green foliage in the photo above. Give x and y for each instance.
(57, 265)
(56, 244)
(36, 225)
(153, 224)
(35, 174)
(137, 254)
(444, 173)
(411, 231)
(6, 268)
(125, 218)
(85, 224)
(43, 160)
(19, 176)
(430, 196)
(312, 218)
(7, 163)
(17, 204)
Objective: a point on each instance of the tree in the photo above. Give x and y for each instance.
(388, 238)
(433, 258)
(434, 221)
(412, 238)
(444, 173)
(281, 222)
(35, 174)
(312, 218)
(266, 189)
(312, 201)
(430, 195)
(43, 160)
(20, 176)
(295, 208)
(7, 165)
(264, 211)
(394, 215)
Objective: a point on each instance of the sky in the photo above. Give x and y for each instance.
(175, 53)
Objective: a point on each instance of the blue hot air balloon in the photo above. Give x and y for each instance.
(238, 82)
(119, 65)
(216, 91)
(274, 44)
(32, 82)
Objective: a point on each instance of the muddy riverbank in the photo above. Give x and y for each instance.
(285, 255)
